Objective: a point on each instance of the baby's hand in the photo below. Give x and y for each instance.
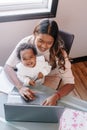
(40, 75)
(32, 83)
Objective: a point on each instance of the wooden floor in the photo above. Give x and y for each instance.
(80, 73)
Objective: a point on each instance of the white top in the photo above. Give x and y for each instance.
(66, 75)
(25, 74)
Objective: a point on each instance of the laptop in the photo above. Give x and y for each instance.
(17, 109)
(33, 113)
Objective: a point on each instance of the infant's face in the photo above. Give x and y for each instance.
(28, 58)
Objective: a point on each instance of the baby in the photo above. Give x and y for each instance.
(32, 69)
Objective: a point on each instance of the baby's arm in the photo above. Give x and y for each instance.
(27, 81)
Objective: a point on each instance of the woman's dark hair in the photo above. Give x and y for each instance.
(24, 46)
(50, 27)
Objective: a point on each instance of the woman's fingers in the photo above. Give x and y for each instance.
(30, 95)
(46, 103)
(27, 93)
(26, 98)
(50, 101)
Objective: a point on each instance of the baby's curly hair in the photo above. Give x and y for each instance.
(24, 46)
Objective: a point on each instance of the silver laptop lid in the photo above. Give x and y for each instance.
(33, 113)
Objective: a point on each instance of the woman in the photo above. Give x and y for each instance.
(47, 41)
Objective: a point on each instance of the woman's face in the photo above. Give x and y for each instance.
(28, 58)
(44, 42)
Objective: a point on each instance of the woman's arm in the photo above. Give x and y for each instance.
(63, 91)
(68, 83)
(12, 76)
(24, 91)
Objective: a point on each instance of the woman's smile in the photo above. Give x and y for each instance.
(43, 43)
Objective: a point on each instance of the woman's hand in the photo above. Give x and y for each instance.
(51, 101)
(26, 93)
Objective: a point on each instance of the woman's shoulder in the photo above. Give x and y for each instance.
(27, 39)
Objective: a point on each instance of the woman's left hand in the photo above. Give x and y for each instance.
(50, 101)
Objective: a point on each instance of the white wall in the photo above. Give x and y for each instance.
(71, 17)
